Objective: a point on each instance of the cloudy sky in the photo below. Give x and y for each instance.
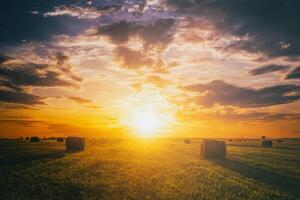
(207, 68)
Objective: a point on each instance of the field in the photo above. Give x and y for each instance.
(148, 169)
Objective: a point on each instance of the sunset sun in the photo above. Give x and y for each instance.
(147, 113)
(145, 121)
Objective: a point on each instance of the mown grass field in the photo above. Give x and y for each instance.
(148, 169)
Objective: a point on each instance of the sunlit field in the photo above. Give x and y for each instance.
(149, 169)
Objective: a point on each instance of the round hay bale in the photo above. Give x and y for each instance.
(213, 149)
(75, 144)
(34, 139)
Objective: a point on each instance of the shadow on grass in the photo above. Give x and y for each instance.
(22, 157)
(281, 182)
(256, 146)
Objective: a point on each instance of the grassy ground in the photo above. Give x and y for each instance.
(148, 169)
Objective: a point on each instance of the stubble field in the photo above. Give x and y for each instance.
(149, 169)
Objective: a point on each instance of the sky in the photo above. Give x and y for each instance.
(127, 68)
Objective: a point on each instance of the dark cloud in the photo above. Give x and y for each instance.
(6, 84)
(16, 77)
(14, 107)
(157, 33)
(20, 98)
(295, 74)
(219, 92)
(268, 69)
(3, 58)
(119, 32)
(31, 74)
(271, 26)
(152, 34)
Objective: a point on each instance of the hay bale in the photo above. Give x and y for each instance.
(34, 139)
(187, 141)
(267, 143)
(75, 144)
(213, 149)
(60, 139)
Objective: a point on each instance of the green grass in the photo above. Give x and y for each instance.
(147, 169)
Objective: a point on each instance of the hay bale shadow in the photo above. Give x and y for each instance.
(281, 182)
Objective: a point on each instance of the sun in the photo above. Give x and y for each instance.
(147, 113)
(146, 121)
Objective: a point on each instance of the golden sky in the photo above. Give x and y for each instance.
(150, 68)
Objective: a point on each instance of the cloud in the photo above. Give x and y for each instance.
(154, 36)
(270, 26)
(282, 116)
(153, 33)
(119, 32)
(295, 74)
(266, 117)
(15, 107)
(62, 62)
(136, 59)
(79, 100)
(260, 116)
(20, 98)
(31, 74)
(219, 92)
(16, 77)
(251, 116)
(82, 12)
(268, 69)
(3, 58)
(132, 59)
(157, 81)
(22, 122)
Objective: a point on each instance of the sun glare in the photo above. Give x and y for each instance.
(145, 121)
(147, 113)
